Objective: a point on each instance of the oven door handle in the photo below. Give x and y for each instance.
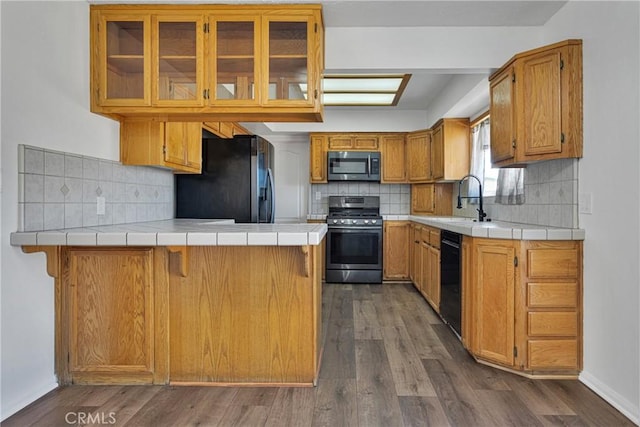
(369, 165)
(348, 227)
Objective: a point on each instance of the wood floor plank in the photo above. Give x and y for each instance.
(562, 421)
(591, 407)
(506, 408)
(459, 401)
(365, 320)
(244, 415)
(422, 411)
(536, 394)
(338, 353)
(388, 314)
(292, 406)
(425, 340)
(336, 404)
(128, 401)
(361, 292)
(376, 398)
(408, 372)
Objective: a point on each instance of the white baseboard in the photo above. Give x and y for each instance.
(26, 400)
(629, 409)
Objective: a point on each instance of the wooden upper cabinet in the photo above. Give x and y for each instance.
(393, 154)
(178, 60)
(419, 156)
(176, 145)
(423, 199)
(198, 62)
(318, 159)
(503, 129)
(536, 106)
(350, 142)
(121, 59)
(450, 149)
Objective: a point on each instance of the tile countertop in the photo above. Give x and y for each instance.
(489, 229)
(178, 232)
(498, 229)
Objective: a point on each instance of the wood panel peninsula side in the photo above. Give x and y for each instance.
(216, 313)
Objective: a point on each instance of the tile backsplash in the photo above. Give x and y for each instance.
(551, 197)
(60, 190)
(395, 199)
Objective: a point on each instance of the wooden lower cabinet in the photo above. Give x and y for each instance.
(395, 257)
(522, 304)
(110, 315)
(200, 314)
(425, 262)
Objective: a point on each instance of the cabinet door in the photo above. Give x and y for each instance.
(288, 71)
(123, 69)
(425, 269)
(422, 198)
(419, 156)
(417, 257)
(541, 115)
(340, 142)
(494, 302)
(318, 159)
(368, 142)
(110, 314)
(178, 60)
(393, 158)
(234, 60)
(502, 116)
(434, 278)
(437, 152)
(396, 250)
(183, 144)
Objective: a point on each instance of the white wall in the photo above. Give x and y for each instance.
(45, 100)
(291, 177)
(609, 172)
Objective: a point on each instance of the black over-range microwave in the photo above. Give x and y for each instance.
(353, 166)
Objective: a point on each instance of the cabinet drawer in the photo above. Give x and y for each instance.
(552, 263)
(553, 323)
(425, 235)
(434, 238)
(553, 354)
(552, 295)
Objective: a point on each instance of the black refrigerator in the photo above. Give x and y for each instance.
(236, 181)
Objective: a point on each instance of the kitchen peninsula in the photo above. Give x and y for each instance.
(185, 302)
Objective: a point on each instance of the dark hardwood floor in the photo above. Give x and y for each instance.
(388, 361)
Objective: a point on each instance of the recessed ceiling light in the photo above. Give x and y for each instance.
(364, 90)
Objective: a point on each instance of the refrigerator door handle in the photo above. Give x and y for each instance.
(272, 196)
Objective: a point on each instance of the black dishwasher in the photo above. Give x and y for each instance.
(450, 279)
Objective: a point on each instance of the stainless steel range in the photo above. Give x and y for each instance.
(354, 240)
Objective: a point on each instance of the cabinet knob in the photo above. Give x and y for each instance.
(513, 143)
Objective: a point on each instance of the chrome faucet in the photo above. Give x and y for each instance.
(481, 213)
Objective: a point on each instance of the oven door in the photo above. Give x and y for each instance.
(354, 248)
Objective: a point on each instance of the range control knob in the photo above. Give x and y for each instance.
(342, 221)
(335, 221)
(374, 221)
(366, 221)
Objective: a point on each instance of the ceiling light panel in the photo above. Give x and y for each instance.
(332, 84)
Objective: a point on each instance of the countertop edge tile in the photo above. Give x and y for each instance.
(172, 239)
(202, 239)
(232, 238)
(112, 239)
(23, 238)
(142, 239)
(82, 239)
(293, 239)
(262, 239)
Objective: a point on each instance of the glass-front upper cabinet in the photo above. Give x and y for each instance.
(178, 60)
(288, 59)
(124, 60)
(235, 60)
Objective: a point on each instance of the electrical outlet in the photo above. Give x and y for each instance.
(100, 203)
(318, 195)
